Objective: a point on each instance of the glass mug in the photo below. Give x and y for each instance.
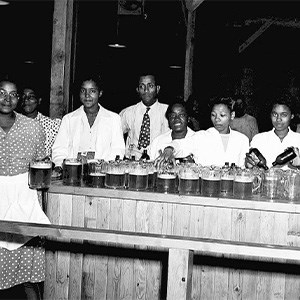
(39, 175)
(115, 175)
(152, 175)
(96, 173)
(167, 179)
(138, 176)
(188, 175)
(72, 171)
(246, 182)
(211, 181)
(272, 183)
(292, 185)
(227, 177)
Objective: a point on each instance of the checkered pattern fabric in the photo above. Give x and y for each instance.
(144, 138)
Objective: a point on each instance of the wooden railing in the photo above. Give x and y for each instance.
(181, 249)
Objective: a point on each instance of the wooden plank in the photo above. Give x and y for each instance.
(140, 265)
(51, 254)
(88, 264)
(208, 272)
(63, 257)
(189, 55)
(114, 267)
(101, 261)
(180, 274)
(238, 227)
(76, 259)
(264, 280)
(252, 233)
(222, 274)
(280, 238)
(127, 264)
(61, 57)
(154, 267)
(196, 230)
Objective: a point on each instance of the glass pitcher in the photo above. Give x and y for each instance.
(39, 175)
(245, 183)
(167, 178)
(188, 176)
(211, 181)
(271, 185)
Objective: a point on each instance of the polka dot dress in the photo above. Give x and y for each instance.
(25, 264)
(144, 138)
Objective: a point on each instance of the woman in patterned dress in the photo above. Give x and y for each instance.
(22, 259)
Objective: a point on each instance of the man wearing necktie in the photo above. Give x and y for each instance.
(145, 120)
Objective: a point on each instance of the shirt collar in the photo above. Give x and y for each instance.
(151, 107)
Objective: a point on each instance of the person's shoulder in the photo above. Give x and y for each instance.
(262, 136)
(108, 113)
(130, 108)
(163, 105)
(240, 136)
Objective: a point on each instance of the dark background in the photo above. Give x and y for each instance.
(156, 40)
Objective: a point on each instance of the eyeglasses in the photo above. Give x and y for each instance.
(4, 94)
(181, 116)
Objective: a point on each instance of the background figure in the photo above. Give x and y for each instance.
(243, 122)
(133, 117)
(178, 122)
(90, 128)
(31, 101)
(21, 141)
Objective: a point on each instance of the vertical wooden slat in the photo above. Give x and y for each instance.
(103, 217)
(252, 234)
(114, 272)
(51, 254)
(180, 274)
(76, 258)
(61, 57)
(63, 257)
(140, 265)
(126, 280)
(88, 264)
(154, 268)
(196, 230)
(280, 238)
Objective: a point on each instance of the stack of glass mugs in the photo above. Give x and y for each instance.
(184, 178)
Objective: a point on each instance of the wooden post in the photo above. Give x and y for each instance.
(180, 274)
(61, 57)
(189, 54)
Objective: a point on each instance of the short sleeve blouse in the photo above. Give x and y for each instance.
(23, 143)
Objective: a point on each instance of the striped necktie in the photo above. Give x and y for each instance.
(144, 138)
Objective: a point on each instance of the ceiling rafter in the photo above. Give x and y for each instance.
(294, 23)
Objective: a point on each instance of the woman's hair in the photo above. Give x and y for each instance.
(284, 98)
(89, 76)
(227, 101)
(176, 101)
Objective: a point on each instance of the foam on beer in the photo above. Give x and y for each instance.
(138, 173)
(243, 179)
(166, 176)
(189, 177)
(72, 163)
(41, 165)
(97, 174)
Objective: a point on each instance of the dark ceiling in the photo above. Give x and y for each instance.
(156, 39)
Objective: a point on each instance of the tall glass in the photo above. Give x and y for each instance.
(39, 176)
(72, 171)
(227, 177)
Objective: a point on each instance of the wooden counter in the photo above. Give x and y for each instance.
(98, 271)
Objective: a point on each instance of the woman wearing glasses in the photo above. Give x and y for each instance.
(21, 141)
(30, 104)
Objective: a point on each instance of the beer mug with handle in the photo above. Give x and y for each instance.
(292, 185)
(272, 183)
(39, 175)
(246, 182)
(167, 178)
(188, 175)
(211, 181)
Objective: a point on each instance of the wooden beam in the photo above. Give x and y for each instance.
(125, 238)
(255, 35)
(180, 268)
(189, 55)
(283, 22)
(61, 57)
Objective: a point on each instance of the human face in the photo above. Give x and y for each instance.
(220, 117)
(281, 117)
(178, 118)
(8, 97)
(29, 101)
(147, 90)
(90, 94)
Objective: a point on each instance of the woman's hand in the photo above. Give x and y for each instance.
(296, 161)
(166, 156)
(251, 160)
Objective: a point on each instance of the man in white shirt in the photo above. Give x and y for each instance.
(90, 128)
(132, 116)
